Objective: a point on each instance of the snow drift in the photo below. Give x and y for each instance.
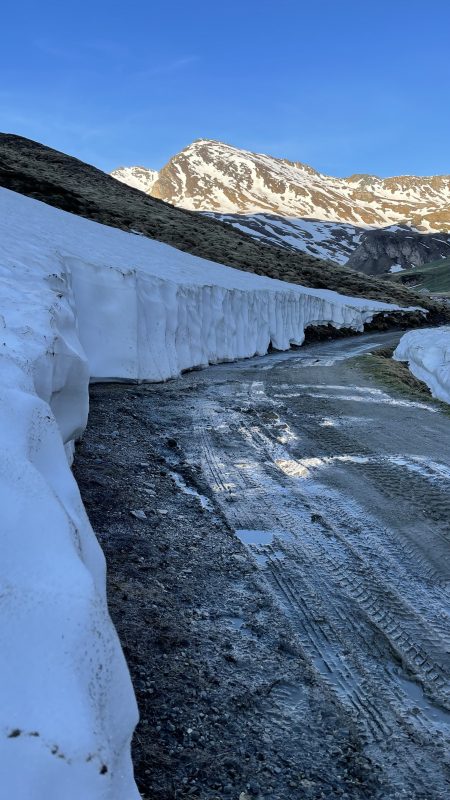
(81, 300)
(427, 352)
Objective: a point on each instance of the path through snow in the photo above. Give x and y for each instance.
(301, 624)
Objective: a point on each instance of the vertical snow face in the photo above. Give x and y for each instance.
(427, 352)
(81, 300)
(148, 328)
(67, 709)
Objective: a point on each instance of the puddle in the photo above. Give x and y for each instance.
(433, 713)
(236, 623)
(204, 502)
(301, 468)
(255, 537)
(386, 400)
(344, 422)
(289, 695)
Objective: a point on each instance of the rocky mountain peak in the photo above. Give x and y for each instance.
(141, 178)
(290, 203)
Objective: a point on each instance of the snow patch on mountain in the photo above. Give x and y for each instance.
(137, 177)
(329, 241)
(83, 300)
(427, 352)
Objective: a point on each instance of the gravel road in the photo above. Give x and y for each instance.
(283, 593)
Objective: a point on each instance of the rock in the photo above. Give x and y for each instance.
(139, 514)
(379, 250)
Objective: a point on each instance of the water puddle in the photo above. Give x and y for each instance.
(289, 695)
(354, 398)
(433, 471)
(344, 422)
(189, 490)
(236, 623)
(437, 715)
(255, 537)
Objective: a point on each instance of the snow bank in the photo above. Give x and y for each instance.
(427, 352)
(67, 708)
(77, 300)
(147, 311)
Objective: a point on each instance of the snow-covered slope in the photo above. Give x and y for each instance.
(216, 177)
(427, 352)
(79, 299)
(330, 241)
(138, 177)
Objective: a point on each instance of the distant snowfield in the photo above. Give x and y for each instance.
(427, 352)
(330, 241)
(79, 301)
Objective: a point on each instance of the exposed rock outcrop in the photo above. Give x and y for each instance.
(389, 251)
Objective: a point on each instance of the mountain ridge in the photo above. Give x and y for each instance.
(294, 206)
(209, 175)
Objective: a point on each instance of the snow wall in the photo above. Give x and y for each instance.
(80, 300)
(427, 352)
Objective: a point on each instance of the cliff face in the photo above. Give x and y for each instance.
(384, 251)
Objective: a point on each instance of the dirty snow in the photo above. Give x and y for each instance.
(427, 352)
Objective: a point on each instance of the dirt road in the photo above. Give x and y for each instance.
(284, 604)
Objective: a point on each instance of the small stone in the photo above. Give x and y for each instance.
(139, 514)
(162, 511)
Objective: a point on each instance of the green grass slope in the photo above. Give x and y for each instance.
(434, 276)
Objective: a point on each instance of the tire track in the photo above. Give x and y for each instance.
(368, 602)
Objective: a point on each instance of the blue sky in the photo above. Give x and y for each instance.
(346, 86)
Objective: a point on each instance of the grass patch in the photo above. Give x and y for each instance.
(434, 276)
(395, 375)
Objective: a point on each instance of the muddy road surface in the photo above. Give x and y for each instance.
(277, 534)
